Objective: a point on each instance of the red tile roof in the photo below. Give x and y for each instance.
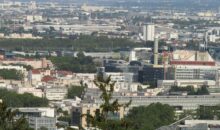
(204, 63)
(60, 72)
(35, 71)
(48, 78)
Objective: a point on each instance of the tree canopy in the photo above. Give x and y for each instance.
(27, 67)
(80, 64)
(12, 99)
(151, 117)
(203, 90)
(208, 112)
(82, 43)
(11, 74)
(75, 91)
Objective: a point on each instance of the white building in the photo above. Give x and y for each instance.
(89, 8)
(67, 104)
(46, 122)
(36, 64)
(39, 117)
(44, 111)
(184, 83)
(35, 75)
(34, 18)
(32, 90)
(55, 93)
(3, 84)
(123, 82)
(192, 65)
(212, 38)
(173, 36)
(149, 32)
(200, 125)
(10, 67)
(21, 36)
(2, 35)
(133, 57)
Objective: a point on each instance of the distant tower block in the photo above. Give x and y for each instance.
(132, 56)
(155, 51)
(205, 41)
(219, 9)
(149, 32)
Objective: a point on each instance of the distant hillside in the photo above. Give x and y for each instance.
(145, 4)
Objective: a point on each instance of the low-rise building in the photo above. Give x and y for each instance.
(36, 64)
(32, 90)
(77, 119)
(38, 123)
(39, 117)
(184, 83)
(193, 125)
(55, 93)
(36, 111)
(10, 67)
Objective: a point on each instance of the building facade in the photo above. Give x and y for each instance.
(38, 123)
(55, 93)
(149, 32)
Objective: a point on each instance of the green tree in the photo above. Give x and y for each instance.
(103, 117)
(75, 91)
(42, 128)
(8, 120)
(12, 99)
(80, 64)
(208, 112)
(11, 74)
(27, 67)
(65, 118)
(64, 115)
(186, 113)
(203, 90)
(151, 117)
(82, 43)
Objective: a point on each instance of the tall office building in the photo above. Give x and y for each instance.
(156, 51)
(149, 32)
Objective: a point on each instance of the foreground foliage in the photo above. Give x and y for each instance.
(138, 118)
(8, 120)
(104, 118)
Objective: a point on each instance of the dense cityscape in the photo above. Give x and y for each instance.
(110, 65)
